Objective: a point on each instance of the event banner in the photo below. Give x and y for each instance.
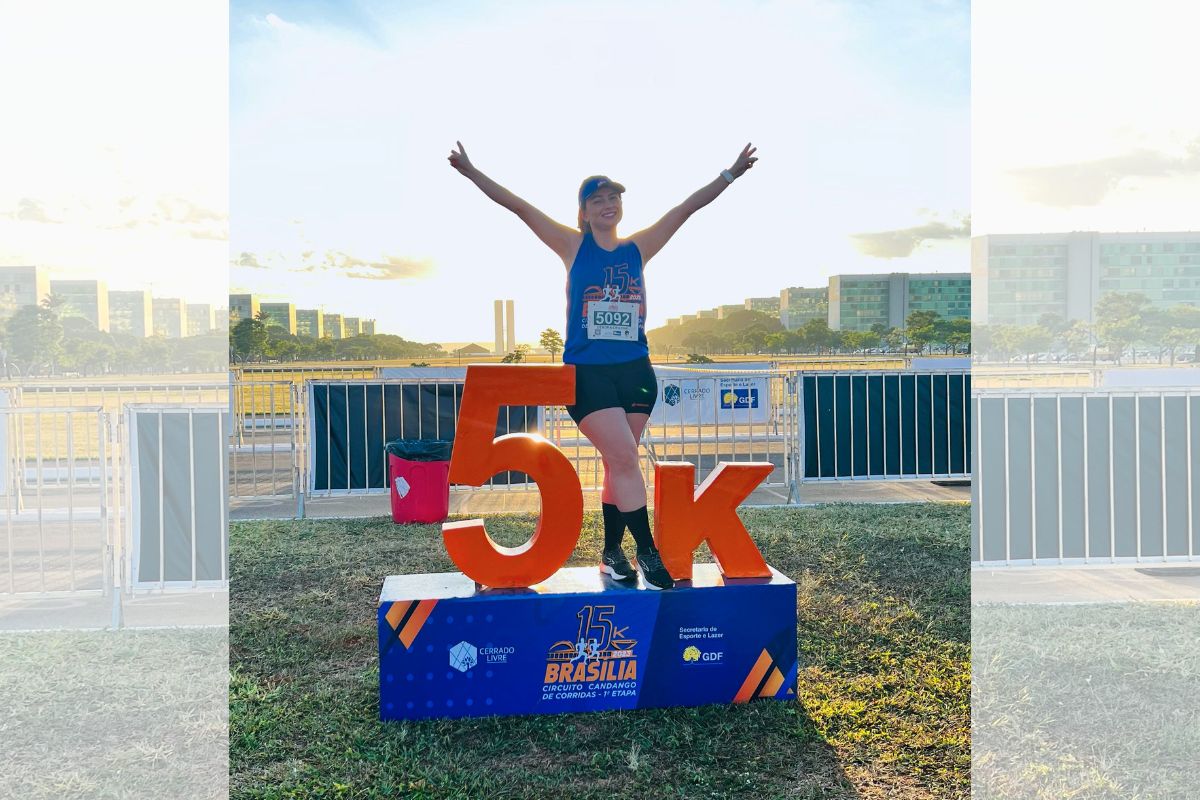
(712, 399)
(581, 641)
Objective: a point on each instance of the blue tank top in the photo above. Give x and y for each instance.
(600, 275)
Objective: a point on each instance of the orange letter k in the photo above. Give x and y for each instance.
(682, 520)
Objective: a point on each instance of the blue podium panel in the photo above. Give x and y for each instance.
(582, 642)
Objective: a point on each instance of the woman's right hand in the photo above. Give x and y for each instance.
(460, 161)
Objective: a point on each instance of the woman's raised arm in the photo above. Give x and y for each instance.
(652, 239)
(558, 237)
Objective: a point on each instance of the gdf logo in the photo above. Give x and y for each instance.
(692, 654)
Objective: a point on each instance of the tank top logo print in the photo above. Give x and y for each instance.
(617, 307)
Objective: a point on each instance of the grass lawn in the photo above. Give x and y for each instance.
(114, 714)
(882, 708)
(1087, 701)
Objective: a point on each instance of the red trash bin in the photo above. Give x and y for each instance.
(420, 489)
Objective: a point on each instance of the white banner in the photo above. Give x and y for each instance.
(712, 399)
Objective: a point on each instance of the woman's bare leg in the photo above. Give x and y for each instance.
(609, 431)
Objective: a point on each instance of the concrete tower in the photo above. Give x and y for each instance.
(499, 313)
(510, 327)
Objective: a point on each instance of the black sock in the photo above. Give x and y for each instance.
(639, 525)
(614, 526)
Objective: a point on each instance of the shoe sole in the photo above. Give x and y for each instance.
(615, 575)
(647, 582)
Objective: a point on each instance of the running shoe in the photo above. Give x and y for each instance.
(614, 562)
(654, 574)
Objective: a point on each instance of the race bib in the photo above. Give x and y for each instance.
(614, 321)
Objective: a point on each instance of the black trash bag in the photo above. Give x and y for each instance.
(420, 449)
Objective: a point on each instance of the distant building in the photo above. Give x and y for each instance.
(221, 320)
(510, 324)
(798, 305)
(20, 287)
(685, 318)
(461, 349)
(200, 319)
(368, 327)
(242, 306)
(498, 318)
(310, 323)
(505, 318)
(1019, 277)
(334, 328)
(353, 326)
(709, 314)
(170, 317)
(85, 299)
(131, 312)
(767, 305)
(858, 302)
(723, 312)
(282, 315)
(672, 322)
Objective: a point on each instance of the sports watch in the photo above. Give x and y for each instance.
(727, 175)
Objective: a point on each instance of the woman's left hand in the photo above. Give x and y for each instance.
(745, 161)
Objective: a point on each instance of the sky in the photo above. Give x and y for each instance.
(342, 115)
(114, 145)
(1084, 116)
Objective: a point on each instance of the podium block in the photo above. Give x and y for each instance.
(581, 641)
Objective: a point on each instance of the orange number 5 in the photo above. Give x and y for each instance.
(478, 455)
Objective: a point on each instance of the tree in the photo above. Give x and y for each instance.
(816, 336)
(1077, 337)
(1120, 320)
(517, 356)
(1182, 329)
(551, 341)
(857, 341)
(957, 334)
(1034, 339)
(1055, 323)
(35, 336)
(249, 338)
(922, 328)
(777, 342)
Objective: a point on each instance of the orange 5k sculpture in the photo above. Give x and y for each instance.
(684, 517)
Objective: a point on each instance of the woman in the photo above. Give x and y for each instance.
(615, 388)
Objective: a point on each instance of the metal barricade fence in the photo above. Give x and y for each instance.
(884, 425)
(1088, 476)
(174, 455)
(710, 416)
(58, 532)
(263, 451)
(348, 423)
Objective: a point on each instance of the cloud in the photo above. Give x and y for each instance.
(279, 24)
(171, 213)
(30, 210)
(385, 268)
(901, 243)
(388, 268)
(249, 260)
(1087, 183)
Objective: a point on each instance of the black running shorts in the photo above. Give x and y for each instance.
(630, 385)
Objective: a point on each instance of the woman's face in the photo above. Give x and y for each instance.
(603, 209)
